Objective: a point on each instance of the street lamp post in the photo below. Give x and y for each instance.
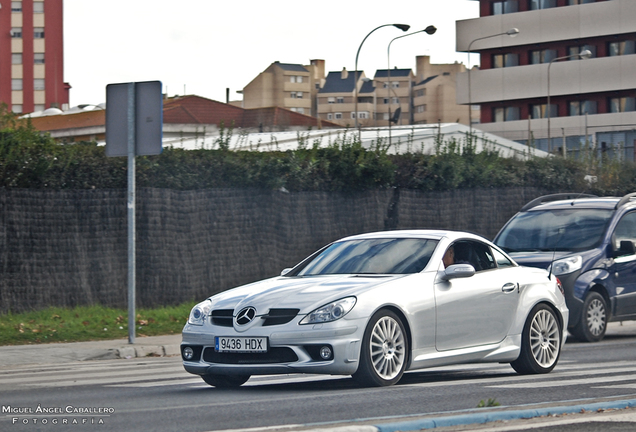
(403, 27)
(512, 33)
(585, 54)
(428, 30)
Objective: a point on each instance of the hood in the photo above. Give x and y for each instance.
(305, 293)
(537, 259)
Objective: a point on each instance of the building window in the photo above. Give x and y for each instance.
(299, 95)
(506, 114)
(339, 99)
(577, 108)
(621, 48)
(16, 58)
(38, 32)
(16, 84)
(16, 6)
(540, 111)
(542, 4)
(329, 116)
(386, 101)
(505, 7)
(338, 116)
(38, 84)
(361, 115)
(395, 100)
(38, 7)
(17, 109)
(420, 92)
(420, 108)
(293, 95)
(38, 58)
(505, 60)
(574, 50)
(542, 56)
(624, 104)
(16, 32)
(385, 116)
(296, 78)
(38, 107)
(395, 84)
(331, 100)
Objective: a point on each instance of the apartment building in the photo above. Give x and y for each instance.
(32, 56)
(286, 85)
(394, 89)
(590, 100)
(336, 99)
(434, 94)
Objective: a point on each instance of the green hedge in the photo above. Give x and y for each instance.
(31, 160)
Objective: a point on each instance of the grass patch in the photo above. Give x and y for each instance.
(88, 323)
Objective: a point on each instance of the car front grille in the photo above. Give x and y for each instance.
(274, 355)
(225, 317)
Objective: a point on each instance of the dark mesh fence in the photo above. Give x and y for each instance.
(69, 247)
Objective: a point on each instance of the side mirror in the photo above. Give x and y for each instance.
(285, 271)
(626, 248)
(456, 271)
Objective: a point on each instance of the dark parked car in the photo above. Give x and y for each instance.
(588, 242)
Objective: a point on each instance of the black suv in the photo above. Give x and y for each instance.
(588, 242)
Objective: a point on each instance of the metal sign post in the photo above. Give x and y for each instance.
(134, 126)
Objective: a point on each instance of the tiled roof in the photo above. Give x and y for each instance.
(383, 73)
(188, 110)
(335, 84)
(431, 78)
(291, 67)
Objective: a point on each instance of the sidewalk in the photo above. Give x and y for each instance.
(150, 346)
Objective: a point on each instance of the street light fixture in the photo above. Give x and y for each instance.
(585, 54)
(428, 30)
(403, 27)
(512, 33)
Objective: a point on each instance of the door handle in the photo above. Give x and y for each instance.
(509, 287)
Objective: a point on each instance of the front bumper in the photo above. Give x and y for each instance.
(290, 351)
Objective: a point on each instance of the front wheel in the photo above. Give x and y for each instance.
(225, 381)
(593, 321)
(384, 351)
(540, 342)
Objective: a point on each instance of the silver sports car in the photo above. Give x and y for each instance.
(377, 305)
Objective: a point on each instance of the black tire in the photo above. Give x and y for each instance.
(592, 323)
(384, 352)
(540, 342)
(225, 381)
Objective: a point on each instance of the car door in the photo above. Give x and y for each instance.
(477, 310)
(624, 268)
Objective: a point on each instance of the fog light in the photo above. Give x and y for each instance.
(188, 353)
(325, 352)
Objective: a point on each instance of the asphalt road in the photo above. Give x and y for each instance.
(155, 393)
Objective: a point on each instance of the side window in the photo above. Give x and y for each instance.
(502, 261)
(625, 230)
(474, 253)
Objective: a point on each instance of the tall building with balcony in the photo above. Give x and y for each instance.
(286, 85)
(590, 101)
(32, 56)
(394, 89)
(336, 99)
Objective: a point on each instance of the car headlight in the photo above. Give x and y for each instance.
(199, 313)
(330, 312)
(567, 265)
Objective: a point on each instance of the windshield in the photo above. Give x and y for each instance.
(554, 230)
(372, 256)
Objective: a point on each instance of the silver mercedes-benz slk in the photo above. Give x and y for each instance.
(377, 305)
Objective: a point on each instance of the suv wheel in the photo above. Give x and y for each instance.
(593, 320)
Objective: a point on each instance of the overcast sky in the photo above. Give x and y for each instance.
(203, 47)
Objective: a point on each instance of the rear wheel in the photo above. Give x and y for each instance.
(225, 381)
(593, 321)
(384, 351)
(540, 342)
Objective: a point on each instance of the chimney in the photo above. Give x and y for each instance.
(344, 74)
(227, 95)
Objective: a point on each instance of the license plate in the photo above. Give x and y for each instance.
(240, 344)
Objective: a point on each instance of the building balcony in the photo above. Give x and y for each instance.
(605, 74)
(548, 25)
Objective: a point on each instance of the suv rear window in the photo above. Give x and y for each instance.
(555, 230)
